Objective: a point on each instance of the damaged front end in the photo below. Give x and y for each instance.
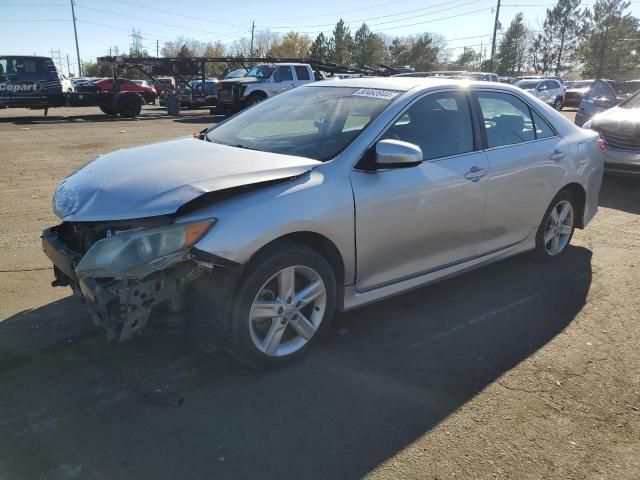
(121, 270)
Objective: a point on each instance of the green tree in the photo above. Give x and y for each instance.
(562, 33)
(91, 69)
(420, 52)
(368, 48)
(467, 60)
(341, 44)
(611, 46)
(320, 48)
(543, 53)
(513, 48)
(423, 54)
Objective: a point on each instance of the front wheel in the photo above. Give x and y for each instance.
(284, 304)
(557, 227)
(254, 98)
(558, 104)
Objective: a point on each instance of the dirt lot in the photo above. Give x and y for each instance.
(518, 370)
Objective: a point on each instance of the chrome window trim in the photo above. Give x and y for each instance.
(475, 91)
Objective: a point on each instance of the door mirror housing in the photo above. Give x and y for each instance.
(603, 102)
(397, 154)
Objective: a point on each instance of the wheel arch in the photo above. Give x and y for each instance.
(316, 241)
(580, 196)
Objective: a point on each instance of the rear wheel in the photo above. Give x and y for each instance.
(129, 107)
(557, 227)
(284, 304)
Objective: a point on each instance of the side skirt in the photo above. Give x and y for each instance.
(353, 298)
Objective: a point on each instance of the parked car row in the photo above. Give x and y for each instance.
(549, 90)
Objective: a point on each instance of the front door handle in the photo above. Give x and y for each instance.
(475, 173)
(557, 155)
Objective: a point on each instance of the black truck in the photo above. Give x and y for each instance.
(33, 82)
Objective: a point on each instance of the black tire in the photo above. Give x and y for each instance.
(107, 110)
(557, 104)
(129, 107)
(262, 268)
(254, 98)
(541, 252)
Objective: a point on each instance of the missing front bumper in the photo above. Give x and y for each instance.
(118, 306)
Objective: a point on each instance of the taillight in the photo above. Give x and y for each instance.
(601, 143)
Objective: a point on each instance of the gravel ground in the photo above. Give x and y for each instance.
(518, 370)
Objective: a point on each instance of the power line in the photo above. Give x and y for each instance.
(413, 24)
(390, 15)
(121, 29)
(147, 20)
(334, 14)
(176, 14)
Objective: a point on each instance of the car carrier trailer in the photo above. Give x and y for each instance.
(32, 82)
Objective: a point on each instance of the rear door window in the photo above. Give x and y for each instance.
(302, 73)
(507, 119)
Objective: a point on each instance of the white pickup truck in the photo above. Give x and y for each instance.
(262, 82)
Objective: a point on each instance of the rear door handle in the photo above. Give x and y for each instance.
(475, 173)
(557, 155)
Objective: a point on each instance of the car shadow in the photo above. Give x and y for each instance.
(620, 193)
(390, 372)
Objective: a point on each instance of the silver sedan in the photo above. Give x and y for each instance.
(327, 197)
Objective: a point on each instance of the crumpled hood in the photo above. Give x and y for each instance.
(617, 117)
(159, 178)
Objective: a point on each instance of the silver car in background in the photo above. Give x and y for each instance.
(327, 197)
(619, 128)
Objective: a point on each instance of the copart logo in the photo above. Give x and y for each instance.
(20, 87)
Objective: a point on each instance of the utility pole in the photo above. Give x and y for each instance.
(253, 26)
(68, 67)
(495, 32)
(75, 33)
(157, 48)
(480, 66)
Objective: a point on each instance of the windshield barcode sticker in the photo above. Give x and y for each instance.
(375, 93)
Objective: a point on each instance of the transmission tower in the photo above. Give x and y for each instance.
(136, 43)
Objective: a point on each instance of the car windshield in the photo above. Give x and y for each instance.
(582, 84)
(314, 122)
(260, 71)
(632, 102)
(527, 84)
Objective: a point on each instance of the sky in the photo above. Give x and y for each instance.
(41, 27)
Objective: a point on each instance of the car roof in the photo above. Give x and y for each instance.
(405, 84)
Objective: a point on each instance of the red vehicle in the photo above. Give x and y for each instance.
(126, 85)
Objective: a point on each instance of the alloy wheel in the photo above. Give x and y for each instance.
(287, 311)
(559, 228)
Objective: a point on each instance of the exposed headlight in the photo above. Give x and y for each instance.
(587, 124)
(64, 201)
(139, 253)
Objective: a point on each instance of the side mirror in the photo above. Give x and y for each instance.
(603, 102)
(397, 154)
